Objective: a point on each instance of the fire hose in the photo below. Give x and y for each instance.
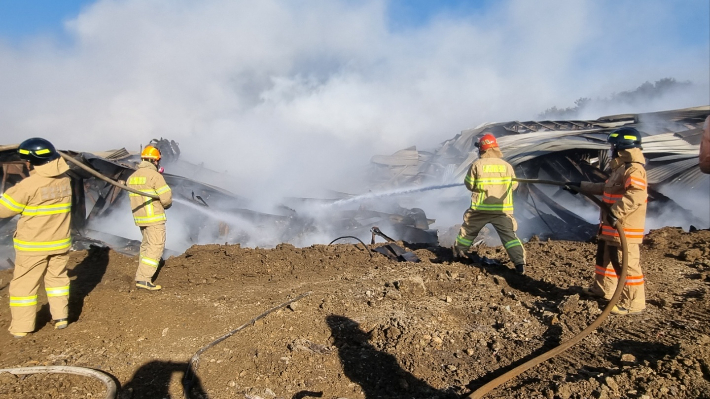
(104, 178)
(83, 371)
(190, 372)
(91, 171)
(486, 388)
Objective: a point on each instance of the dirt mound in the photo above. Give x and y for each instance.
(372, 327)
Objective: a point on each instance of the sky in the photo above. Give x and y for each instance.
(288, 96)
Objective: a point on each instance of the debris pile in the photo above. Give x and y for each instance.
(573, 150)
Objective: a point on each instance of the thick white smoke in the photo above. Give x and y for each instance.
(289, 96)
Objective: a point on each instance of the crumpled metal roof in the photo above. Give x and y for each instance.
(569, 150)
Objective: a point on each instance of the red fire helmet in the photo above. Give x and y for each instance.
(487, 141)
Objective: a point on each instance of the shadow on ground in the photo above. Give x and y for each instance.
(378, 373)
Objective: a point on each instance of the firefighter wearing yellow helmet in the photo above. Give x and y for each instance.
(42, 240)
(149, 214)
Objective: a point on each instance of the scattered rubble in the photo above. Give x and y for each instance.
(373, 327)
(572, 150)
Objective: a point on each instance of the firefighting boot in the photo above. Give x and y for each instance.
(147, 285)
(620, 310)
(520, 268)
(19, 334)
(61, 324)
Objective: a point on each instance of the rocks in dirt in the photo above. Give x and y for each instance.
(691, 255)
(564, 391)
(628, 358)
(411, 285)
(569, 304)
(301, 344)
(611, 383)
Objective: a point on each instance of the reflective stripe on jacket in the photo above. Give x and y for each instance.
(43, 201)
(626, 193)
(146, 210)
(490, 179)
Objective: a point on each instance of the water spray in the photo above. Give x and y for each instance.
(209, 212)
(391, 193)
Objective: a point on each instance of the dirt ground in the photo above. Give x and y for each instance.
(371, 327)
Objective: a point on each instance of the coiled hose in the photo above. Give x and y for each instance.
(480, 392)
(82, 371)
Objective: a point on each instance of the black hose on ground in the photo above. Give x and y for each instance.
(363, 244)
(187, 380)
(480, 392)
(111, 388)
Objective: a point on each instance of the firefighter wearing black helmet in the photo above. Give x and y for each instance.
(42, 240)
(626, 193)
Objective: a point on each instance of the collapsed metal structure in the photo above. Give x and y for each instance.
(207, 213)
(573, 150)
(554, 150)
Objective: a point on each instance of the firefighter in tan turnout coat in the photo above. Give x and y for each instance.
(490, 179)
(626, 194)
(42, 240)
(149, 215)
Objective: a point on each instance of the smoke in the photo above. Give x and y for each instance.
(290, 97)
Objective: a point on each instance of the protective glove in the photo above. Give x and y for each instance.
(568, 187)
(611, 219)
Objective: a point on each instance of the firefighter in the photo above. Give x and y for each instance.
(625, 192)
(43, 239)
(490, 179)
(149, 215)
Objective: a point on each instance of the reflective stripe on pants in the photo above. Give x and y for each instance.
(152, 248)
(607, 270)
(29, 269)
(504, 224)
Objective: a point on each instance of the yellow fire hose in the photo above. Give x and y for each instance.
(104, 178)
(480, 392)
(91, 171)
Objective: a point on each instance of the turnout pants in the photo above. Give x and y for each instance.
(607, 270)
(152, 248)
(505, 226)
(29, 269)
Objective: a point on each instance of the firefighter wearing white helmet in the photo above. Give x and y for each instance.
(42, 240)
(149, 215)
(625, 193)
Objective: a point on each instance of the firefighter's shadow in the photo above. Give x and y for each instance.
(85, 277)
(152, 380)
(523, 282)
(378, 373)
(551, 339)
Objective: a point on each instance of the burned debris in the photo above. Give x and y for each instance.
(203, 213)
(572, 150)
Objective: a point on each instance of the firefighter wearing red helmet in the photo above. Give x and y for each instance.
(43, 239)
(626, 194)
(149, 215)
(490, 179)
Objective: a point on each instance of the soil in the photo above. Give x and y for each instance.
(371, 327)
